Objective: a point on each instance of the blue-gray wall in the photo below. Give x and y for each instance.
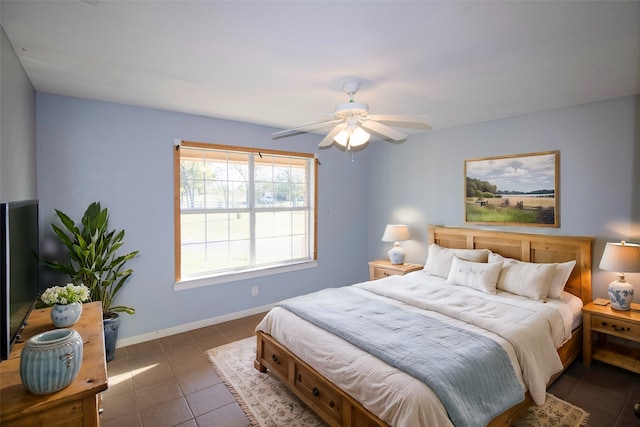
(421, 181)
(122, 156)
(17, 128)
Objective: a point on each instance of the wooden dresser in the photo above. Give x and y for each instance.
(75, 405)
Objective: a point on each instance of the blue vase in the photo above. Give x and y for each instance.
(50, 361)
(621, 295)
(111, 324)
(65, 315)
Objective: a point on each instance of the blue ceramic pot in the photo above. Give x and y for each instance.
(111, 324)
(50, 361)
(65, 315)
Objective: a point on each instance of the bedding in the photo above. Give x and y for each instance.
(460, 366)
(528, 331)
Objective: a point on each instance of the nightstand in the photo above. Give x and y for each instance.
(608, 322)
(383, 268)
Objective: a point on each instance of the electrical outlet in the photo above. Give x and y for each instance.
(254, 291)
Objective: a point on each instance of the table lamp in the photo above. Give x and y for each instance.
(621, 257)
(396, 233)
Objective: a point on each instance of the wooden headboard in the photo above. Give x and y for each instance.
(526, 247)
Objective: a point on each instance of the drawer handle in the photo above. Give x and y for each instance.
(615, 328)
(386, 274)
(315, 392)
(331, 404)
(622, 329)
(274, 358)
(299, 378)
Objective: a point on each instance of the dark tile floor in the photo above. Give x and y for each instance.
(170, 382)
(606, 392)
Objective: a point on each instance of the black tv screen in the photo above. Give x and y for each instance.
(19, 259)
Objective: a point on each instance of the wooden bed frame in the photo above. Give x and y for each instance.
(337, 408)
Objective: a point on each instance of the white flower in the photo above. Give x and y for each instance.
(65, 294)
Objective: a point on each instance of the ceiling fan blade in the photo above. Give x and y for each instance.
(328, 140)
(415, 122)
(304, 128)
(384, 130)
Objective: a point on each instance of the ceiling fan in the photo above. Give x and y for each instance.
(352, 121)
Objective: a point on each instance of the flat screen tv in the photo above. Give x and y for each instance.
(20, 262)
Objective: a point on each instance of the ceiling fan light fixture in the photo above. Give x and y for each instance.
(342, 137)
(352, 137)
(358, 137)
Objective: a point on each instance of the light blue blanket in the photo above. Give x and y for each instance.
(471, 374)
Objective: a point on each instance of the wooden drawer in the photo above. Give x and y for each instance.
(276, 359)
(68, 415)
(320, 393)
(379, 273)
(617, 327)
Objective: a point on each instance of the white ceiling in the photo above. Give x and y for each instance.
(283, 64)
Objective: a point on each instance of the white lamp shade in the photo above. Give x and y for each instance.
(342, 137)
(358, 137)
(396, 233)
(622, 257)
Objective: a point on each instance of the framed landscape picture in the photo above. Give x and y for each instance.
(520, 189)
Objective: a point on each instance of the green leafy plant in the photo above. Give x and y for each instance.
(92, 256)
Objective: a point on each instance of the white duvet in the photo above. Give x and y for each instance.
(529, 331)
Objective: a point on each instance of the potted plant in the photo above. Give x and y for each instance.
(66, 302)
(93, 260)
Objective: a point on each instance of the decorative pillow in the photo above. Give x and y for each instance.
(559, 279)
(528, 279)
(481, 276)
(439, 258)
(563, 271)
(494, 257)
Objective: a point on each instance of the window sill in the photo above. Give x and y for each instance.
(236, 276)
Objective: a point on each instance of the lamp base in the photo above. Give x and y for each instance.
(621, 295)
(396, 255)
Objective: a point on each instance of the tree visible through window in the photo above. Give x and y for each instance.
(239, 209)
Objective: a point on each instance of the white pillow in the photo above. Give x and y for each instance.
(560, 278)
(439, 258)
(528, 279)
(494, 257)
(481, 276)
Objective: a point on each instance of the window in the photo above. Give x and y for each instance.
(242, 209)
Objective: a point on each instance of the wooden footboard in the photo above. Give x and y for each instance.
(332, 404)
(338, 408)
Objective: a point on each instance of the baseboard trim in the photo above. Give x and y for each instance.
(150, 336)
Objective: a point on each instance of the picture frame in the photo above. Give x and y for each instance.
(518, 189)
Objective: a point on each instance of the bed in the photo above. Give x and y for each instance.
(350, 386)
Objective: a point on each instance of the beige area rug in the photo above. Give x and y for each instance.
(269, 403)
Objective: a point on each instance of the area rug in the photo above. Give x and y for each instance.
(267, 402)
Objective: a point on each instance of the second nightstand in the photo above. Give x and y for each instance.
(383, 268)
(609, 322)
